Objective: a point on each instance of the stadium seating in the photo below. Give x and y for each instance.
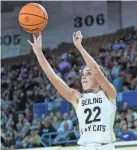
(28, 99)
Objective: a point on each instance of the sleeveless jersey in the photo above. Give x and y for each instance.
(96, 116)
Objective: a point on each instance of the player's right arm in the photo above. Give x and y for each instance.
(65, 91)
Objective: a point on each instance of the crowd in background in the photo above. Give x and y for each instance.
(25, 84)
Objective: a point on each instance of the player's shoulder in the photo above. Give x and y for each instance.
(109, 98)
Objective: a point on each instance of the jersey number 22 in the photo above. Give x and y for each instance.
(89, 112)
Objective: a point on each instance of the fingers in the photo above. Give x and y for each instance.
(30, 43)
(39, 36)
(79, 33)
(76, 35)
(34, 38)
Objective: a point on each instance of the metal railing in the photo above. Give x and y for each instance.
(49, 141)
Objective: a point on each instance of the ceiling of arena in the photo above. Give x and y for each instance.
(7, 6)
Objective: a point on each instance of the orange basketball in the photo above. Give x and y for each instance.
(33, 18)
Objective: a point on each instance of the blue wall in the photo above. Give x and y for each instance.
(42, 108)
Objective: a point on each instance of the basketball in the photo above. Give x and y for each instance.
(33, 18)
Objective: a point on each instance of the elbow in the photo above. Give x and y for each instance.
(53, 77)
(114, 92)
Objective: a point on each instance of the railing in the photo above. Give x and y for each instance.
(51, 142)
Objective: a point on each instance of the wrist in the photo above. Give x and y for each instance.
(79, 47)
(39, 53)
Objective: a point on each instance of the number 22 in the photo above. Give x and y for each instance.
(89, 111)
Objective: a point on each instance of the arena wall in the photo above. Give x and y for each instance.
(114, 17)
(92, 18)
(13, 38)
(129, 13)
(64, 19)
(67, 17)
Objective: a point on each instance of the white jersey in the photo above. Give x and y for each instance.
(96, 118)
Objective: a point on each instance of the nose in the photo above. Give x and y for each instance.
(83, 77)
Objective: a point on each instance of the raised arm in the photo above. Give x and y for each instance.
(64, 90)
(107, 87)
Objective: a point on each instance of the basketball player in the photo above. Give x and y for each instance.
(95, 108)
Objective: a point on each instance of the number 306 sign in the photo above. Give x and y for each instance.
(89, 20)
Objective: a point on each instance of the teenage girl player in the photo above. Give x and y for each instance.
(95, 108)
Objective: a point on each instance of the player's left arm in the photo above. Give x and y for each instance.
(107, 87)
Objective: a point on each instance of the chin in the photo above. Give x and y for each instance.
(86, 89)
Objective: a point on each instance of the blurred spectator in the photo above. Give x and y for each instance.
(126, 87)
(47, 126)
(39, 126)
(118, 82)
(134, 129)
(126, 135)
(135, 114)
(5, 103)
(116, 69)
(66, 120)
(33, 139)
(117, 129)
(122, 45)
(8, 141)
(56, 123)
(70, 74)
(122, 122)
(64, 66)
(19, 124)
(26, 127)
(129, 117)
(11, 120)
(73, 118)
(28, 115)
(10, 129)
(64, 55)
(125, 107)
(19, 141)
(76, 133)
(115, 46)
(59, 116)
(63, 134)
(4, 118)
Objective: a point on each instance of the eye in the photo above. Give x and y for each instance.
(89, 73)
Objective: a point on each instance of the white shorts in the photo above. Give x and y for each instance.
(98, 147)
